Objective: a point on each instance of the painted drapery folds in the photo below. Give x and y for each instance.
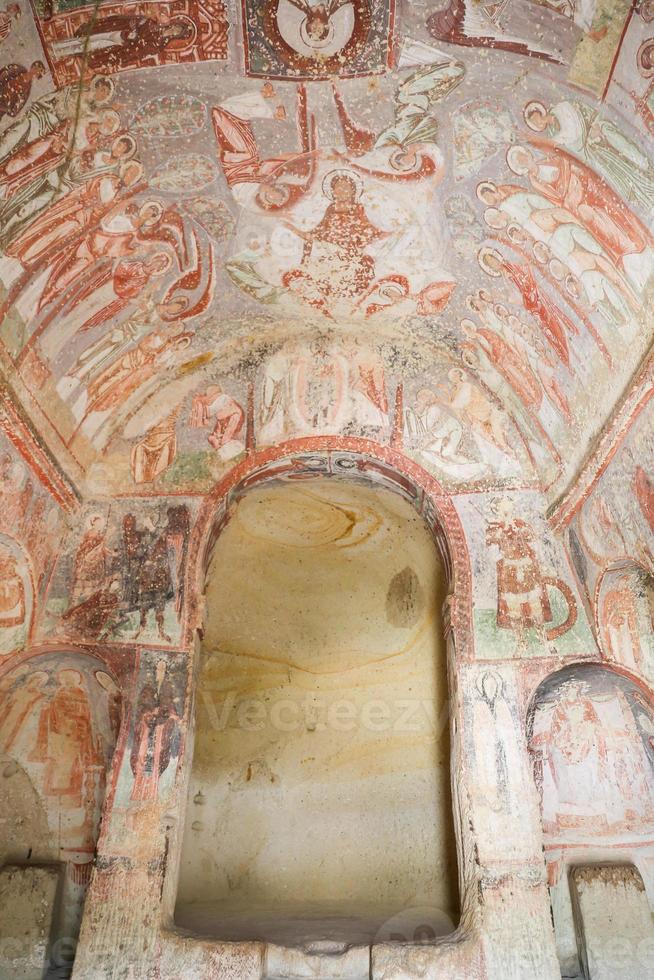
(406, 244)
(79, 38)
(32, 526)
(591, 742)
(61, 716)
(124, 576)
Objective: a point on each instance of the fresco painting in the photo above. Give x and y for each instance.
(16, 596)
(589, 736)
(591, 745)
(626, 618)
(123, 578)
(496, 744)
(301, 39)
(526, 602)
(333, 251)
(506, 26)
(583, 35)
(26, 553)
(298, 209)
(409, 245)
(60, 722)
(148, 770)
(327, 387)
(458, 431)
(612, 531)
(133, 35)
(643, 48)
(24, 70)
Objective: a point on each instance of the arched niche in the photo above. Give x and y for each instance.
(625, 617)
(60, 714)
(591, 741)
(16, 596)
(319, 803)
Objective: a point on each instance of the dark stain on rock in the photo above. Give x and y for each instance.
(405, 599)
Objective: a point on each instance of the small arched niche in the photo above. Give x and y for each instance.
(591, 739)
(59, 720)
(319, 804)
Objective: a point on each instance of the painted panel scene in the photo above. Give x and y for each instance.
(591, 742)
(326, 379)
(61, 716)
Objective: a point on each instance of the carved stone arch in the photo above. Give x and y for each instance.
(366, 463)
(343, 457)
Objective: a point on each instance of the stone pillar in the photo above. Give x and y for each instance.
(124, 910)
(514, 904)
(614, 924)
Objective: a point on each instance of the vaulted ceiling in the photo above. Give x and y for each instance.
(419, 223)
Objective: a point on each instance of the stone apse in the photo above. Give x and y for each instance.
(327, 489)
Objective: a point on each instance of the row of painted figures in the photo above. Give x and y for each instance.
(72, 230)
(80, 243)
(83, 241)
(290, 38)
(124, 578)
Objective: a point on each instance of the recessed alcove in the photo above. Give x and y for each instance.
(590, 738)
(319, 803)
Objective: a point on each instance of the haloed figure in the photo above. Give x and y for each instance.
(317, 27)
(335, 263)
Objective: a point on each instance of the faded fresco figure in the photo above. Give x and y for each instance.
(488, 424)
(66, 742)
(626, 618)
(93, 597)
(156, 451)
(322, 388)
(492, 717)
(11, 13)
(159, 575)
(523, 601)
(92, 559)
(123, 572)
(591, 755)
(16, 85)
(217, 407)
(123, 41)
(12, 592)
(17, 584)
(621, 622)
(336, 263)
(437, 435)
(18, 706)
(114, 700)
(58, 725)
(580, 129)
(156, 736)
